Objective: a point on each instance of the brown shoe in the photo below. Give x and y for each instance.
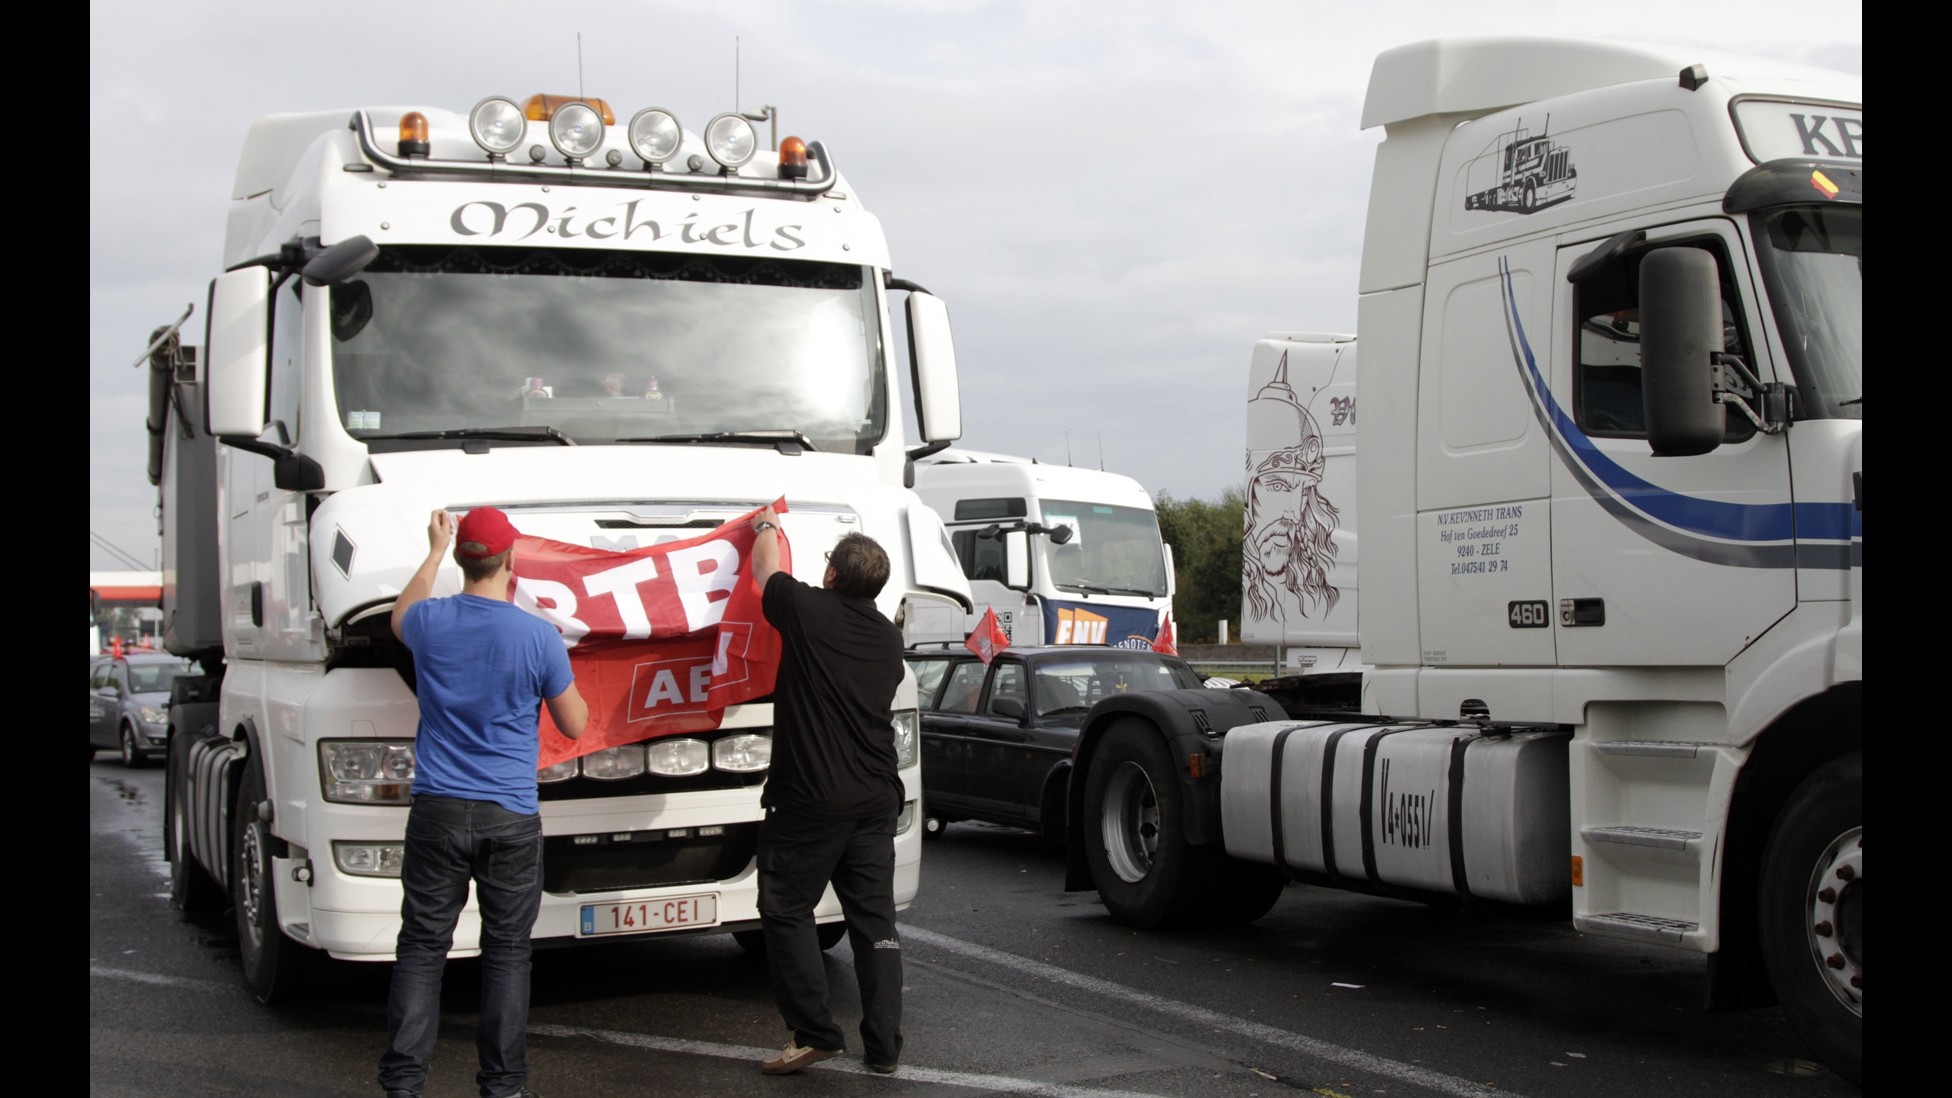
(794, 1057)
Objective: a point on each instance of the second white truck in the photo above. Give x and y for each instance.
(1611, 517)
(1064, 555)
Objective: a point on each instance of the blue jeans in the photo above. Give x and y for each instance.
(449, 843)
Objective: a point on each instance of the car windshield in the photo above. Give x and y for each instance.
(587, 346)
(1069, 686)
(153, 678)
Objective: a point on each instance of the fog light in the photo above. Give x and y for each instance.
(655, 135)
(614, 763)
(369, 859)
(907, 818)
(680, 757)
(730, 140)
(746, 753)
(576, 131)
(498, 126)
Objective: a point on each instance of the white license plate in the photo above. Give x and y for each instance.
(649, 916)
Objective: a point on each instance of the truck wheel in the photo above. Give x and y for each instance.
(1530, 201)
(190, 889)
(1146, 872)
(275, 967)
(1250, 891)
(131, 754)
(754, 941)
(1812, 913)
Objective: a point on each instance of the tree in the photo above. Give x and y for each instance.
(1206, 540)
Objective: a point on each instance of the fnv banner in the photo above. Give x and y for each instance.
(662, 639)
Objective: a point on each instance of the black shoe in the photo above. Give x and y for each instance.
(881, 1069)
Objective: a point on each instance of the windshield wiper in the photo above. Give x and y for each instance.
(776, 437)
(1099, 589)
(506, 434)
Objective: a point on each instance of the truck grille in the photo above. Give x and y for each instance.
(645, 859)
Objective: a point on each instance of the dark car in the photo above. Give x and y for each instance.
(997, 740)
(128, 698)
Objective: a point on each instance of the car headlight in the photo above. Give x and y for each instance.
(153, 714)
(745, 753)
(906, 723)
(366, 771)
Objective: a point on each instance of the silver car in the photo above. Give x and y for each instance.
(128, 703)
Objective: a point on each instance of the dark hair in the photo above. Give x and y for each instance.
(477, 569)
(860, 566)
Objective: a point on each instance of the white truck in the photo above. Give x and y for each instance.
(620, 336)
(1611, 485)
(1064, 555)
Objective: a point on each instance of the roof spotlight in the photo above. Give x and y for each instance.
(655, 135)
(730, 140)
(498, 126)
(576, 130)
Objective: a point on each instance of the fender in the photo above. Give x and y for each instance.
(1194, 723)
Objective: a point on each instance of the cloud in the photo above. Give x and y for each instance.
(1115, 199)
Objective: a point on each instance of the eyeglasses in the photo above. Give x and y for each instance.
(828, 556)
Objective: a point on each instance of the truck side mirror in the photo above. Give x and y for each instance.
(932, 365)
(1680, 332)
(236, 354)
(1016, 560)
(341, 261)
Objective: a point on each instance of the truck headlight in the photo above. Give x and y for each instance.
(369, 859)
(678, 758)
(730, 140)
(614, 764)
(366, 771)
(745, 753)
(906, 723)
(655, 135)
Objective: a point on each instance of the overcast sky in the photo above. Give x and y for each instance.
(1115, 199)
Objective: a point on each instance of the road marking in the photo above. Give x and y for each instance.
(1309, 1046)
(998, 1084)
(131, 975)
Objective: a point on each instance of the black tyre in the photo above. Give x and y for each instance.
(1530, 201)
(1146, 872)
(1249, 892)
(277, 969)
(191, 890)
(1812, 913)
(131, 751)
(754, 941)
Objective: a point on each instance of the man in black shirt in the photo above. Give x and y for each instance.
(832, 795)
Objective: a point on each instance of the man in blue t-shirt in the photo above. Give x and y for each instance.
(482, 670)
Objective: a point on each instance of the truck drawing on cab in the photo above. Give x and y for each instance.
(1520, 172)
(1610, 657)
(622, 336)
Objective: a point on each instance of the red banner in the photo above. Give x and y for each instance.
(662, 639)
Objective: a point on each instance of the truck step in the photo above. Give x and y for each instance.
(1651, 928)
(1660, 838)
(1661, 749)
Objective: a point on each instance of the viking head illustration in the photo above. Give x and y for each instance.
(1287, 546)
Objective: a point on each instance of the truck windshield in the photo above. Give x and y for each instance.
(600, 346)
(1112, 551)
(1812, 260)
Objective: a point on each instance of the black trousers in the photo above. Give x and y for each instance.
(799, 855)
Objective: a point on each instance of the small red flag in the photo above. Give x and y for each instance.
(1164, 641)
(988, 638)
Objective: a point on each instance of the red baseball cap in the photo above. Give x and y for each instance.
(483, 532)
